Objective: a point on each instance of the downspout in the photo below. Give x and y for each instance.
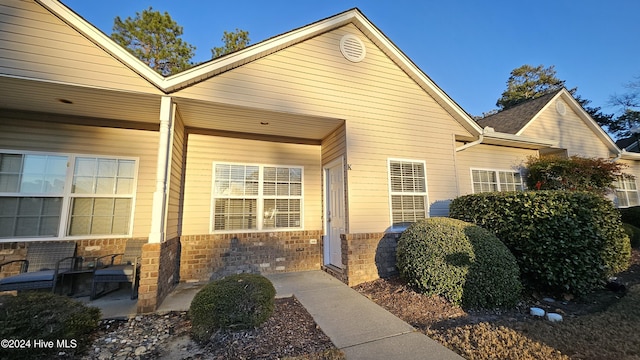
(471, 144)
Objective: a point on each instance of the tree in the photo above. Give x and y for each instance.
(628, 103)
(233, 41)
(528, 82)
(155, 39)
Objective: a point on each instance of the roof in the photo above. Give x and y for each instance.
(512, 120)
(628, 144)
(238, 58)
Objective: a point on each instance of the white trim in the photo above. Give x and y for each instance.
(392, 193)
(211, 68)
(259, 199)
(67, 195)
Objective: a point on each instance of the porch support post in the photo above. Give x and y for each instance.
(158, 215)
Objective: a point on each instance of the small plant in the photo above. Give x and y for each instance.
(235, 302)
(462, 262)
(46, 317)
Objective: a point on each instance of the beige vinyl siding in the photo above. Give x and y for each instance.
(204, 150)
(386, 113)
(36, 44)
(488, 157)
(334, 146)
(175, 178)
(63, 138)
(569, 130)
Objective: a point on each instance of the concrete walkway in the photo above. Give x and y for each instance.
(356, 325)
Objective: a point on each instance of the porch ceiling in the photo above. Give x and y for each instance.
(235, 119)
(53, 98)
(85, 103)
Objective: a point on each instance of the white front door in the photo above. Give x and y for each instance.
(334, 213)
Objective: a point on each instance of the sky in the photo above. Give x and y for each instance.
(467, 47)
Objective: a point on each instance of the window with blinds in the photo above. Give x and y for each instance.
(496, 180)
(256, 197)
(627, 192)
(52, 195)
(408, 191)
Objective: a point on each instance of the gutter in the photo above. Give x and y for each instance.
(476, 142)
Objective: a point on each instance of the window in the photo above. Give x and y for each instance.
(496, 180)
(408, 191)
(256, 197)
(627, 192)
(48, 196)
(101, 196)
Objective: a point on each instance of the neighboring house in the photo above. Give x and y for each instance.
(308, 150)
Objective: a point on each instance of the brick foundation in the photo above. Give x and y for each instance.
(158, 273)
(367, 257)
(205, 257)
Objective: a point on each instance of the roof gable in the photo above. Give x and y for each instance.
(230, 61)
(518, 119)
(512, 120)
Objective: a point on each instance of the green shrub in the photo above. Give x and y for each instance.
(631, 215)
(565, 242)
(633, 233)
(48, 317)
(462, 262)
(235, 302)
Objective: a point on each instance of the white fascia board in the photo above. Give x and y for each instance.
(235, 59)
(521, 140)
(569, 99)
(423, 80)
(102, 40)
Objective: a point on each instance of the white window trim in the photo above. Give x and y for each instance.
(497, 171)
(626, 193)
(67, 195)
(392, 193)
(260, 200)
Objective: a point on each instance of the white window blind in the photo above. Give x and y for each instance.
(408, 191)
(496, 180)
(256, 197)
(52, 195)
(627, 192)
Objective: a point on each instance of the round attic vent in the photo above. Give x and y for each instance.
(560, 108)
(352, 48)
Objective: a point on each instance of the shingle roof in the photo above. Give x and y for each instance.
(510, 121)
(628, 144)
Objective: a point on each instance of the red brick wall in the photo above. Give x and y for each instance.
(158, 273)
(10, 252)
(204, 257)
(368, 257)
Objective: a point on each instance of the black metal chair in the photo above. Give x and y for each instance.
(44, 263)
(125, 271)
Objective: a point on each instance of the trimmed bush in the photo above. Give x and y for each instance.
(464, 263)
(49, 317)
(236, 302)
(565, 242)
(633, 233)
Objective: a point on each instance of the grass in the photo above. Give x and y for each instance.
(610, 334)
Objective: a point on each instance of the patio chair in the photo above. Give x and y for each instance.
(44, 263)
(126, 270)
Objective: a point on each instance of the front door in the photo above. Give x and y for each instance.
(334, 213)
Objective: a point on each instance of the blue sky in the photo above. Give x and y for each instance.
(468, 47)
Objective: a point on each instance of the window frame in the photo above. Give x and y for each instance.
(497, 174)
(67, 195)
(392, 193)
(626, 192)
(260, 199)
